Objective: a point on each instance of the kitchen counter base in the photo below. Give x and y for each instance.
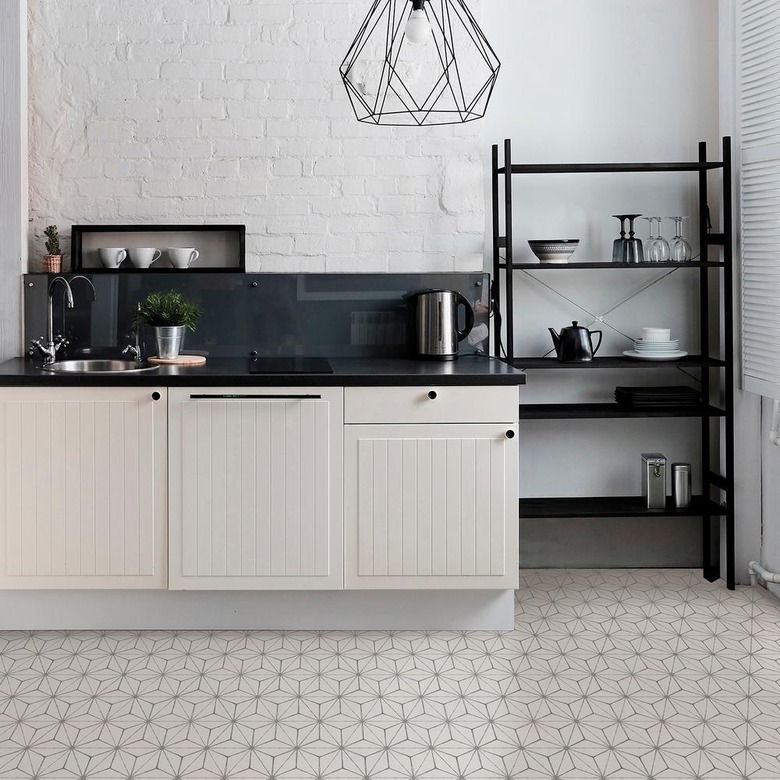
(39, 610)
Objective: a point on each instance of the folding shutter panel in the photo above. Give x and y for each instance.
(758, 94)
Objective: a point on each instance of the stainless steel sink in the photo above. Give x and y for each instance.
(98, 367)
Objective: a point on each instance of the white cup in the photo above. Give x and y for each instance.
(143, 257)
(112, 257)
(182, 257)
(656, 334)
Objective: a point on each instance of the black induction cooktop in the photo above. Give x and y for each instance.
(289, 365)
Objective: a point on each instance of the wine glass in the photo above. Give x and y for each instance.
(663, 251)
(619, 245)
(649, 246)
(680, 249)
(634, 253)
(656, 247)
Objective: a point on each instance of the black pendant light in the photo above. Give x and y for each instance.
(419, 62)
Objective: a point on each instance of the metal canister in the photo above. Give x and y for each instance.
(654, 480)
(681, 485)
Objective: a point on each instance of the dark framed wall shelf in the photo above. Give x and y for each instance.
(610, 266)
(222, 248)
(590, 411)
(614, 361)
(716, 374)
(613, 506)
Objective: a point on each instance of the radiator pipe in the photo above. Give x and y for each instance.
(759, 575)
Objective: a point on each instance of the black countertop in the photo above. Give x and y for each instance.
(226, 372)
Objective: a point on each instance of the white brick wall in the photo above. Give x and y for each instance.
(234, 111)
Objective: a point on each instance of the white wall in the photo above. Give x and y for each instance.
(210, 110)
(12, 196)
(609, 81)
(603, 81)
(234, 111)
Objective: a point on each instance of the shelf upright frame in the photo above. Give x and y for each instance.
(728, 380)
(710, 568)
(509, 251)
(496, 286)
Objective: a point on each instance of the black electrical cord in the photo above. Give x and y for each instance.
(496, 312)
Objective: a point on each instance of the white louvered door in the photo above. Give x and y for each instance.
(430, 506)
(255, 496)
(83, 475)
(758, 102)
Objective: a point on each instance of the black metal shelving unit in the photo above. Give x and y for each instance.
(717, 375)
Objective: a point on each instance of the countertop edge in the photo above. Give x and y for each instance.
(20, 372)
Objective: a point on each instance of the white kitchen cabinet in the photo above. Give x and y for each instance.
(255, 488)
(83, 475)
(431, 505)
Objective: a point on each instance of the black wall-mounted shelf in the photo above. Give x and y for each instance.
(612, 411)
(613, 506)
(614, 361)
(713, 239)
(670, 167)
(716, 375)
(224, 251)
(610, 266)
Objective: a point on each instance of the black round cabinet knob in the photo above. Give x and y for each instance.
(510, 434)
(433, 395)
(156, 396)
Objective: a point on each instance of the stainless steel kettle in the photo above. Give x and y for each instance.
(574, 344)
(435, 323)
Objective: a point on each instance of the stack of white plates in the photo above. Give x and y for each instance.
(656, 350)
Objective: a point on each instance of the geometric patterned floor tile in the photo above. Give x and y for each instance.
(619, 674)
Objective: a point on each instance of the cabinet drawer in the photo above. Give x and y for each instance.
(430, 404)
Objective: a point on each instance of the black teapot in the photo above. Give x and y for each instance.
(574, 344)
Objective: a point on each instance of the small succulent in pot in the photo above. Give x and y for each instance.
(170, 314)
(52, 260)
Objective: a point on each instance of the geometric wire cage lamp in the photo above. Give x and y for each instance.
(419, 62)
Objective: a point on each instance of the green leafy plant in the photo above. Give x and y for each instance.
(52, 240)
(167, 310)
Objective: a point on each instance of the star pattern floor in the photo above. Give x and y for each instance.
(625, 675)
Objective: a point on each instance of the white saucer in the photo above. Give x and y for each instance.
(666, 346)
(655, 355)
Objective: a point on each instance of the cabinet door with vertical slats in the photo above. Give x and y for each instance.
(83, 488)
(430, 506)
(255, 497)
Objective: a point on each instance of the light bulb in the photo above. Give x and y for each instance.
(418, 28)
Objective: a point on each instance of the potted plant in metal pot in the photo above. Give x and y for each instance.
(170, 314)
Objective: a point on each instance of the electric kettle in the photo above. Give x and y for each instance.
(435, 323)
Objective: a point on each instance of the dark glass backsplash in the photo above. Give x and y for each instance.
(337, 315)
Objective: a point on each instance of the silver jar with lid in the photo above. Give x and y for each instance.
(681, 485)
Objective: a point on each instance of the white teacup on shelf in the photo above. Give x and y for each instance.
(182, 257)
(112, 257)
(143, 257)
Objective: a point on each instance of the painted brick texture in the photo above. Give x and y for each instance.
(233, 111)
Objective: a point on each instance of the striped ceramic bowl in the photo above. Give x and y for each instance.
(557, 250)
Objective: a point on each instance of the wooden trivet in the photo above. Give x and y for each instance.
(182, 360)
